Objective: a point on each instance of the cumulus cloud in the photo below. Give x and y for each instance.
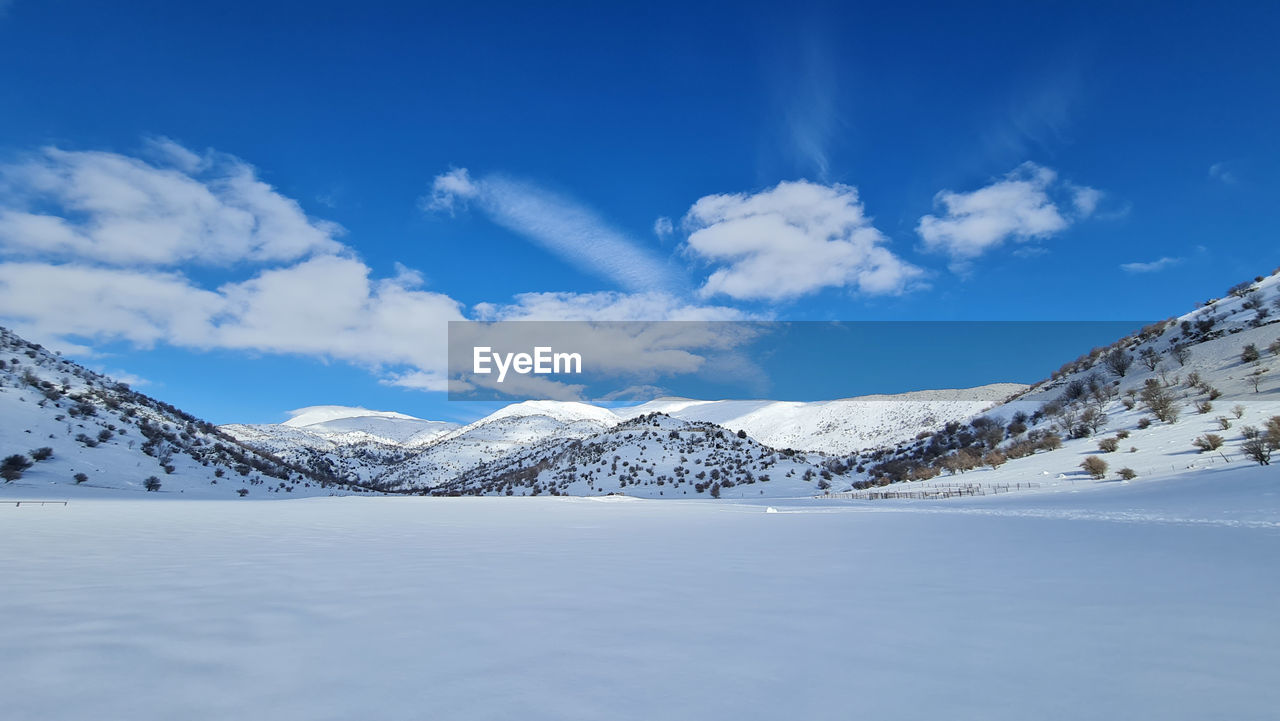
(109, 235)
(326, 307)
(185, 207)
(663, 227)
(1018, 207)
(1150, 266)
(48, 301)
(791, 240)
(100, 247)
(84, 215)
(330, 306)
(558, 224)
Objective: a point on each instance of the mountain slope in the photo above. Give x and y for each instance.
(508, 430)
(839, 426)
(77, 431)
(343, 424)
(1190, 393)
(651, 456)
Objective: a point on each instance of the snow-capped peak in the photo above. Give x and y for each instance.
(563, 411)
(311, 415)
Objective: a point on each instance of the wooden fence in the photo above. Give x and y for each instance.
(933, 491)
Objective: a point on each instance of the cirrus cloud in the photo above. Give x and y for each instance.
(556, 223)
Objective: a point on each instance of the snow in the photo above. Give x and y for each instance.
(1148, 598)
(311, 415)
(1117, 602)
(357, 441)
(563, 411)
(350, 425)
(839, 426)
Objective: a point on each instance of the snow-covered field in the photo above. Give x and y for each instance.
(1141, 600)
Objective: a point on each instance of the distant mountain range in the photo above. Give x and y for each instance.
(67, 427)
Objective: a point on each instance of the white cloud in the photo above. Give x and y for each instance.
(141, 307)
(432, 380)
(1151, 266)
(1018, 207)
(186, 208)
(297, 290)
(326, 307)
(663, 227)
(450, 190)
(791, 240)
(319, 304)
(558, 224)
(604, 306)
(101, 210)
(1085, 199)
(329, 306)
(1220, 171)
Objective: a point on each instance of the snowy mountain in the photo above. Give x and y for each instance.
(466, 457)
(508, 430)
(838, 426)
(652, 456)
(1181, 395)
(355, 444)
(68, 429)
(345, 425)
(1191, 393)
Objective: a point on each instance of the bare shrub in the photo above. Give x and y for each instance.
(1208, 442)
(1095, 467)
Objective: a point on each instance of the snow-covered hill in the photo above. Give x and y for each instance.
(649, 456)
(350, 442)
(839, 426)
(343, 424)
(1195, 392)
(1138, 405)
(508, 430)
(69, 430)
(356, 444)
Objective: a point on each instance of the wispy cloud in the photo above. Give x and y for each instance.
(791, 240)
(604, 306)
(1221, 172)
(806, 88)
(1037, 116)
(1153, 266)
(558, 224)
(1019, 207)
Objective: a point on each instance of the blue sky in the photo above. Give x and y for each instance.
(1004, 161)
